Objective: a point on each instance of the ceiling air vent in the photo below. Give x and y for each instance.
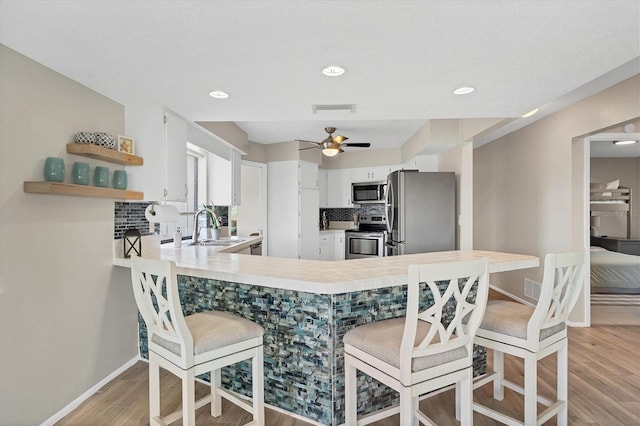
(337, 107)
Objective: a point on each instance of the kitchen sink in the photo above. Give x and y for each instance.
(215, 243)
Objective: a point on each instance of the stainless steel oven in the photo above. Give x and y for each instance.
(369, 240)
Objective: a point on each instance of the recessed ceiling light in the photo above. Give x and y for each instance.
(333, 71)
(219, 94)
(530, 113)
(625, 142)
(463, 90)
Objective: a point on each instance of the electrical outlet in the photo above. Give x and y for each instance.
(532, 288)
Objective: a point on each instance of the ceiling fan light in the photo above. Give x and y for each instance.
(340, 139)
(218, 94)
(330, 152)
(333, 71)
(464, 90)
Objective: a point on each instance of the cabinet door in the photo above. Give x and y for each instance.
(322, 188)
(326, 246)
(236, 171)
(176, 130)
(282, 209)
(308, 222)
(371, 174)
(339, 188)
(338, 246)
(308, 174)
(145, 123)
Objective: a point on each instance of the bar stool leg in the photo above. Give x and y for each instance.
(154, 391)
(465, 407)
(216, 399)
(563, 383)
(350, 394)
(530, 390)
(408, 407)
(188, 398)
(257, 368)
(498, 368)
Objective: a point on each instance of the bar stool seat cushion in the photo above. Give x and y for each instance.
(512, 319)
(382, 339)
(214, 330)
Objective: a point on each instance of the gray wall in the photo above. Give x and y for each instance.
(67, 316)
(522, 182)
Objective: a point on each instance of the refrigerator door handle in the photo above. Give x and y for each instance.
(388, 205)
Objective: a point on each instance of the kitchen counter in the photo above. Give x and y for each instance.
(306, 307)
(315, 276)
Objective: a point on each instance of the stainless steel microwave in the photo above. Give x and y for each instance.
(368, 192)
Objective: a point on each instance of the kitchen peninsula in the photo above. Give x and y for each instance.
(306, 307)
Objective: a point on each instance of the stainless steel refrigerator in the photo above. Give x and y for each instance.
(421, 210)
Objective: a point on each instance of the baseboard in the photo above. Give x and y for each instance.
(516, 298)
(79, 400)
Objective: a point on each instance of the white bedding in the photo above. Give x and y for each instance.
(613, 272)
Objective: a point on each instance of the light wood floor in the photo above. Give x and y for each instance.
(604, 389)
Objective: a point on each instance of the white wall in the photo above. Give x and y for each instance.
(67, 316)
(523, 181)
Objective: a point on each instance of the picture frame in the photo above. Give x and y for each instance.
(126, 144)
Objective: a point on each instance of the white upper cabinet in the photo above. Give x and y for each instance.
(176, 162)
(371, 174)
(224, 179)
(161, 139)
(339, 188)
(308, 174)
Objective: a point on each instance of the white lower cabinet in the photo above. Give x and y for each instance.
(326, 246)
(338, 246)
(331, 245)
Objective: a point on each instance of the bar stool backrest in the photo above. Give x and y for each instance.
(561, 284)
(156, 292)
(443, 336)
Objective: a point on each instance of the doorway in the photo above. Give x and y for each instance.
(610, 309)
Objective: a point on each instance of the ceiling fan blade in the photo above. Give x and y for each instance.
(302, 140)
(309, 147)
(358, 144)
(339, 139)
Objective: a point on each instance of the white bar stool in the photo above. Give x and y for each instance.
(519, 330)
(193, 345)
(421, 352)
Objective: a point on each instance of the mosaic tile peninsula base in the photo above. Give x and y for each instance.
(303, 349)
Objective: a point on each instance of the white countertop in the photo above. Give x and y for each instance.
(315, 276)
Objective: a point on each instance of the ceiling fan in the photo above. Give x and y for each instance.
(333, 145)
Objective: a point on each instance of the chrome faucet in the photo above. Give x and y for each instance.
(196, 230)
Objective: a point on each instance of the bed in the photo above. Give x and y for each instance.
(611, 199)
(614, 273)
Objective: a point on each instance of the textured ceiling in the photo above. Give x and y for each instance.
(403, 58)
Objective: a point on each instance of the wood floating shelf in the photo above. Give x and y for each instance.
(56, 188)
(105, 154)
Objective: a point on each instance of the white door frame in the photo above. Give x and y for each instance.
(263, 200)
